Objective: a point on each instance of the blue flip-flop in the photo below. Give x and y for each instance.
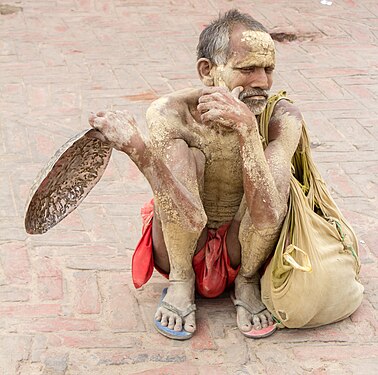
(170, 333)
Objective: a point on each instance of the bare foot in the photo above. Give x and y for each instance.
(247, 290)
(180, 295)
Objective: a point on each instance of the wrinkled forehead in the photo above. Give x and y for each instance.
(258, 43)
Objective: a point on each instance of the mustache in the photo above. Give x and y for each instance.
(253, 92)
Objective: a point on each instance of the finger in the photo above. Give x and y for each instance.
(98, 122)
(204, 107)
(236, 91)
(214, 97)
(97, 135)
(91, 118)
(213, 115)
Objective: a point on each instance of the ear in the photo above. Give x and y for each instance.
(204, 69)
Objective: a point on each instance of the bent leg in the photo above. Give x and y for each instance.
(255, 244)
(175, 174)
(177, 226)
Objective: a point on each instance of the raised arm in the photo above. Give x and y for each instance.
(266, 173)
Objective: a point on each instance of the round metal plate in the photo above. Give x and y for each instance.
(66, 180)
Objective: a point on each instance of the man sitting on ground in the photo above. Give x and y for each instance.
(220, 198)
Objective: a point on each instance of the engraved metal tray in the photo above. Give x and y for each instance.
(66, 180)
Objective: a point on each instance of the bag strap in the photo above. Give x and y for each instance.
(267, 114)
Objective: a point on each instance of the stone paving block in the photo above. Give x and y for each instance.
(93, 340)
(15, 262)
(62, 324)
(87, 296)
(10, 293)
(118, 304)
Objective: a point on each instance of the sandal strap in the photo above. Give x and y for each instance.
(181, 313)
(247, 306)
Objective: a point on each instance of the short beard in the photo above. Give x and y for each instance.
(255, 106)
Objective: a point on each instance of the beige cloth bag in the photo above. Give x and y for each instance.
(312, 278)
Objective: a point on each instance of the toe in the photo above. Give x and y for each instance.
(256, 323)
(164, 320)
(171, 322)
(158, 315)
(264, 321)
(244, 320)
(178, 325)
(269, 318)
(190, 324)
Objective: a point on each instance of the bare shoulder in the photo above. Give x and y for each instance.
(173, 105)
(169, 117)
(286, 121)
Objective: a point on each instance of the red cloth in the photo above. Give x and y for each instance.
(211, 264)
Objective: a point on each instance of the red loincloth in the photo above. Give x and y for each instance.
(211, 264)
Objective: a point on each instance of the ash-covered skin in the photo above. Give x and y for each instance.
(203, 156)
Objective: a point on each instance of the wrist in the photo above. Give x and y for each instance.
(247, 129)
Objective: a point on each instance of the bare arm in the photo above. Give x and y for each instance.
(266, 174)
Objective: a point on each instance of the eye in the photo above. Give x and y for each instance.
(248, 70)
(269, 70)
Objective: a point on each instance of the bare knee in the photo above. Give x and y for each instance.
(257, 243)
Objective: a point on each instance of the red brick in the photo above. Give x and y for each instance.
(63, 324)
(92, 340)
(341, 183)
(30, 311)
(202, 339)
(117, 357)
(120, 305)
(330, 105)
(330, 88)
(87, 296)
(39, 346)
(179, 369)
(15, 261)
(102, 263)
(14, 345)
(337, 352)
(366, 314)
(10, 293)
(48, 266)
(50, 288)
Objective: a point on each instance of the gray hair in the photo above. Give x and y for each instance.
(214, 40)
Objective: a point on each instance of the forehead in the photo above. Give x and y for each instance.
(256, 45)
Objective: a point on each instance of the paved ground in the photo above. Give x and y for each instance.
(67, 301)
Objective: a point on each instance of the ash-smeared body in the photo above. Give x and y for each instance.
(206, 166)
(222, 188)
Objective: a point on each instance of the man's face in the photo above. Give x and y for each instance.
(250, 65)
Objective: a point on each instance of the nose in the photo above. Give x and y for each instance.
(260, 79)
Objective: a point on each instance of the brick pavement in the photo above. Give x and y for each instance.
(67, 302)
